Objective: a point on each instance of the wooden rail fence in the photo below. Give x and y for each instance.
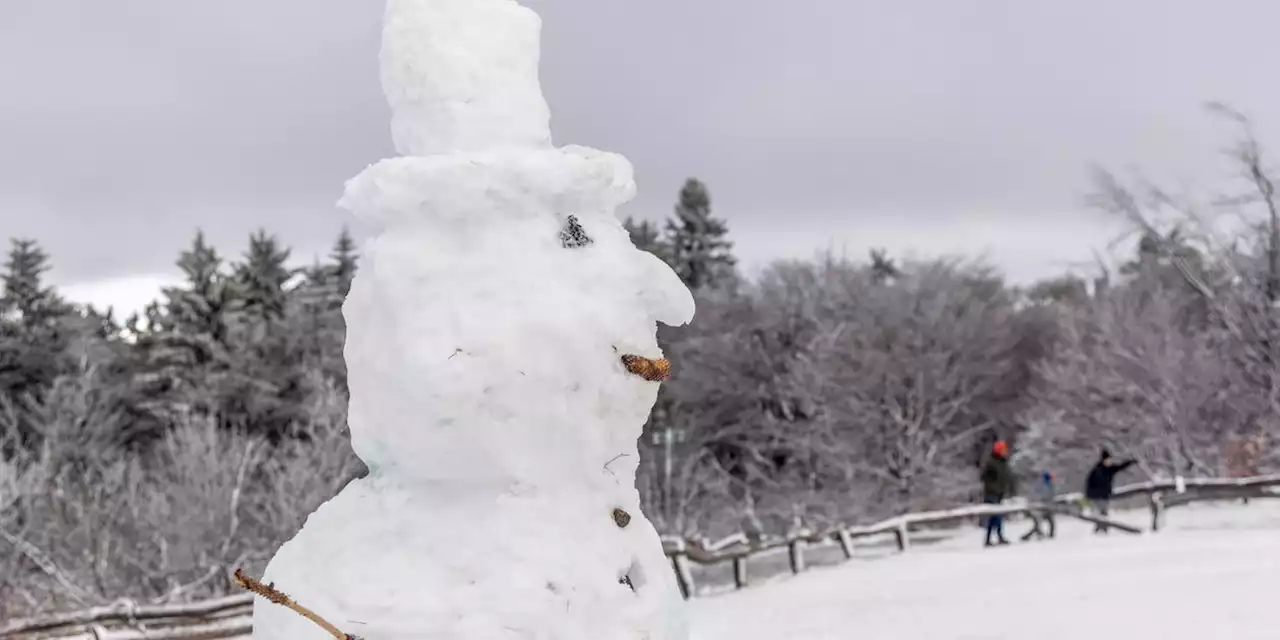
(229, 617)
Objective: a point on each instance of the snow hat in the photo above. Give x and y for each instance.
(1047, 477)
(1000, 448)
(1106, 453)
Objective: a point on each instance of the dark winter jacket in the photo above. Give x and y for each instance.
(997, 480)
(1101, 481)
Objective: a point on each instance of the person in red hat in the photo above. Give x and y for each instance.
(997, 486)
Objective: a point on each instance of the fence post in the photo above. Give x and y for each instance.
(903, 537)
(1156, 502)
(795, 553)
(679, 554)
(740, 578)
(846, 543)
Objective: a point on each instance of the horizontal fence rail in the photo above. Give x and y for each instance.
(230, 617)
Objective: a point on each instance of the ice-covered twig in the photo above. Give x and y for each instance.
(613, 460)
(45, 564)
(269, 592)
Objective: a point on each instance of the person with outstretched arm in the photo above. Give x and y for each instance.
(997, 485)
(1100, 485)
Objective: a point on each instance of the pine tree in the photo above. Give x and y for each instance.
(26, 300)
(646, 236)
(37, 332)
(700, 253)
(345, 260)
(315, 320)
(207, 299)
(262, 278)
(884, 270)
(184, 353)
(269, 355)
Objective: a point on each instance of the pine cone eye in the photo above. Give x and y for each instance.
(572, 235)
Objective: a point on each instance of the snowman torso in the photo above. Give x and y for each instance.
(384, 560)
(489, 400)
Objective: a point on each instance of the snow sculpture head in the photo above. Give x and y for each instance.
(514, 342)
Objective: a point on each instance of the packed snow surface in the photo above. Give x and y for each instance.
(1213, 573)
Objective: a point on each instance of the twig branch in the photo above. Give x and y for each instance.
(276, 596)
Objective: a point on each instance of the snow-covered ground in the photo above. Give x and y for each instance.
(1213, 572)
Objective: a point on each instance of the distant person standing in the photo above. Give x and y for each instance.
(1045, 492)
(997, 486)
(1100, 485)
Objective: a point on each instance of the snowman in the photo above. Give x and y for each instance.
(501, 359)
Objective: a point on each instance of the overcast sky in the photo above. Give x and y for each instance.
(927, 126)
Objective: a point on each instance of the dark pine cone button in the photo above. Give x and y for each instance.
(621, 518)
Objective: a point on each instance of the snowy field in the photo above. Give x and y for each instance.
(1213, 572)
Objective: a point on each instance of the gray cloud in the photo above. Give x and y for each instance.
(125, 125)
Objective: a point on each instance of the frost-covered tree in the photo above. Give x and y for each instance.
(1136, 371)
(919, 373)
(697, 242)
(821, 393)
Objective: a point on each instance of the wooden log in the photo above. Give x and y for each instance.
(740, 578)
(1097, 520)
(795, 554)
(126, 612)
(224, 630)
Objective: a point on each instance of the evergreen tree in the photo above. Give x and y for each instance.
(884, 270)
(38, 330)
(262, 278)
(271, 353)
(26, 300)
(325, 285)
(345, 260)
(208, 298)
(699, 249)
(645, 236)
(315, 320)
(184, 365)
